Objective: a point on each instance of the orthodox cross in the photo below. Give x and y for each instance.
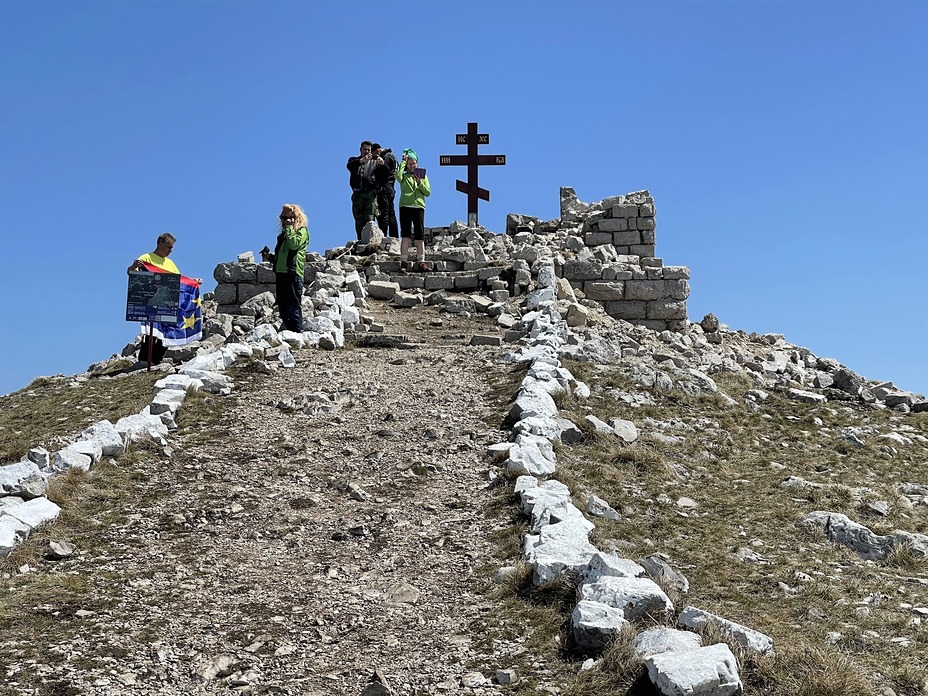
(472, 160)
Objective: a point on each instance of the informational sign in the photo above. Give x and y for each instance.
(153, 297)
(472, 139)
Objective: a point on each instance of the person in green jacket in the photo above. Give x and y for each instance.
(289, 259)
(414, 189)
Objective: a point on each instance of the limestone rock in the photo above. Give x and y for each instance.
(655, 641)
(595, 624)
(709, 671)
(635, 596)
(748, 638)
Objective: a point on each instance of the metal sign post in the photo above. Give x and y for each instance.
(472, 139)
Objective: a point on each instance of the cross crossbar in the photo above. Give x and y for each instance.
(472, 139)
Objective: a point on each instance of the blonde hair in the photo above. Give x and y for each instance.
(297, 212)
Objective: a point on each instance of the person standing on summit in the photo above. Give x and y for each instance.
(157, 261)
(385, 177)
(414, 189)
(363, 184)
(289, 259)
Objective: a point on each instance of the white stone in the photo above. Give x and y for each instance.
(69, 459)
(600, 508)
(532, 494)
(89, 448)
(547, 277)
(139, 427)
(532, 401)
(748, 638)
(179, 382)
(541, 297)
(32, 513)
(12, 533)
(610, 565)
(382, 289)
(807, 396)
(166, 400)
(556, 549)
(106, 435)
(22, 478)
(625, 430)
(213, 382)
(634, 596)
(595, 624)
(709, 671)
(209, 362)
(267, 333)
(295, 340)
(598, 425)
(662, 639)
(528, 460)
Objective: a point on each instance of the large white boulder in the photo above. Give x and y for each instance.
(142, 427)
(595, 624)
(32, 513)
(634, 596)
(709, 671)
(107, 436)
(23, 479)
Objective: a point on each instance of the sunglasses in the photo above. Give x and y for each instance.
(287, 217)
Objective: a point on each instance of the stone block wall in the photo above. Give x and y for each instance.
(618, 267)
(605, 250)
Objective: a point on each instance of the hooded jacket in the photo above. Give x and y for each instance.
(290, 252)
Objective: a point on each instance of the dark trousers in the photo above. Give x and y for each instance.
(387, 217)
(364, 208)
(412, 222)
(289, 296)
(158, 349)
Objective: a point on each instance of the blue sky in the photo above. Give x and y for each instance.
(784, 143)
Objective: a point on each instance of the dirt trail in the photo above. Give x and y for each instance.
(296, 553)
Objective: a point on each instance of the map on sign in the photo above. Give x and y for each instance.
(153, 297)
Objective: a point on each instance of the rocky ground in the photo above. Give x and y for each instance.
(324, 522)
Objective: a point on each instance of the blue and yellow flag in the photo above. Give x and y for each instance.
(189, 326)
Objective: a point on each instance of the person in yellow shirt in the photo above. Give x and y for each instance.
(158, 257)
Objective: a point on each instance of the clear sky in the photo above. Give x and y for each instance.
(784, 143)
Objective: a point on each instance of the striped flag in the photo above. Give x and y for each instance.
(189, 326)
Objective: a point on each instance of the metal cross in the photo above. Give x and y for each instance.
(472, 160)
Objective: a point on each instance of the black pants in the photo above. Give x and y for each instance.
(289, 298)
(412, 222)
(387, 213)
(158, 349)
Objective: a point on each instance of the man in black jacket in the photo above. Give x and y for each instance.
(385, 177)
(363, 186)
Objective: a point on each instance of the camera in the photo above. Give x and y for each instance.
(386, 152)
(266, 254)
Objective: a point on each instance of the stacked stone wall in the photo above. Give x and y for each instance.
(604, 250)
(621, 271)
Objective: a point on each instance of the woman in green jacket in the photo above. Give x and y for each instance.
(289, 261)
(414, 189)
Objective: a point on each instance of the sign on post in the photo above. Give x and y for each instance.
(472, 139)
(153, 297)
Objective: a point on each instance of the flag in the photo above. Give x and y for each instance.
(189, 326)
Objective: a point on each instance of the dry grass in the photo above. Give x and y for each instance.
(740, 547)
(49, 409)
(43, 602)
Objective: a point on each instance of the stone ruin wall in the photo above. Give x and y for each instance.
(605, 250)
